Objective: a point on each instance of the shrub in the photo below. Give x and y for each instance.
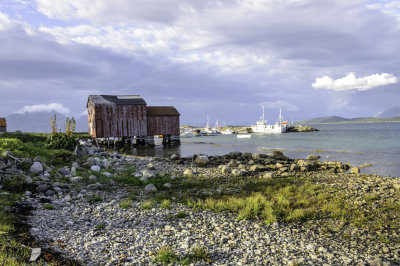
(48, 207)
(166, 204)
(147, 205)
(166, 255)
(125, 204)
(100, 226)
(181, 214)
(95, 198)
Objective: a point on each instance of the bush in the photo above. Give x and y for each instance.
(59, 140)
(16, 184)
(166, 255)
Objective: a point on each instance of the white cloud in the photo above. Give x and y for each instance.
(83, 113)
(4, 21)
(286, 106)
(351, 82)
(44, 108)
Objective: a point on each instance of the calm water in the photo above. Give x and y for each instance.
(375, 143)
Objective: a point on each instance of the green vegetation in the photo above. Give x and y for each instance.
(166, 256)
(31, 145)
(165, 204)
(48, 207)
(181, 214)
(298, 200)
(59, 140)
(100, 226)
(147, 205)
(125, 204)
(12, 250)
(95, 198)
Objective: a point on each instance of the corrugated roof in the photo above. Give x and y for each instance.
(3, 122)
(162, 111)
(118, 99)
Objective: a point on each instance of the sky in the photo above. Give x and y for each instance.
(218, 58)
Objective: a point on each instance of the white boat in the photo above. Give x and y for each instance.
(243, 136)
(211, 131)
(227, 132)
(187, 135)
(262, 127)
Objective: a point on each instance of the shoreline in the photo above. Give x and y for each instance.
(87, 222)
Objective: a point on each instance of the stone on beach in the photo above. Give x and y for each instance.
(150, 188)
(36, 168)
(95, 168)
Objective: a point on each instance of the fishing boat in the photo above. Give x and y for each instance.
(262, 127)
(211, 131)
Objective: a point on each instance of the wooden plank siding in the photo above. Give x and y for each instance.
(163, 125)
(129, 116)
(110, 120)
(3, 122)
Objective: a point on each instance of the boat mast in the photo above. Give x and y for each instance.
(263, 120)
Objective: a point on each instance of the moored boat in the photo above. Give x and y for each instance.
(262, 127)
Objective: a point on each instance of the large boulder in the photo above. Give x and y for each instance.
(95, 168)
(150, 188)
(147, 174)
(175, 156)
(355, 170)
(279, 155)
(42, 188)
(225, 169)
(312, 157)
(234, 154)
(187, 172)
(202, 160)
(36, 168)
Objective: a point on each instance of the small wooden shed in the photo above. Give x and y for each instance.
(162, 120)
(3, 124)
(117, 116)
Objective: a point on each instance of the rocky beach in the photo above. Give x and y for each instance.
(106, 208)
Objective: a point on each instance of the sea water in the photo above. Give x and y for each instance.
(365, 143)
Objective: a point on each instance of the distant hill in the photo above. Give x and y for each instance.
(322, 120)
(341, 120)
(392, 112)
(40, 122)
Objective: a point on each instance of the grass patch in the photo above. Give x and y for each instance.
(147, 205)
(165, 256)
(95, 198)
(283, 200)
(100, 226)
(181, 214)
(125, 204)
(23, 145)
(48, 207)
(165, 204)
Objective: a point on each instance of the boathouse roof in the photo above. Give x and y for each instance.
(118, 99)
(162, 111)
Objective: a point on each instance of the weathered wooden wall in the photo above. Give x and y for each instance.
(162, 125)
(111, 120)
(3, 122)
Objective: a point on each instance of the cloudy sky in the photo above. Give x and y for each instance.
(221, 58)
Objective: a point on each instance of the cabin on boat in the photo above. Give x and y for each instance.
(3, 124)
(129, 117)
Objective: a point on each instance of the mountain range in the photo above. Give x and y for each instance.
(40, 122)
